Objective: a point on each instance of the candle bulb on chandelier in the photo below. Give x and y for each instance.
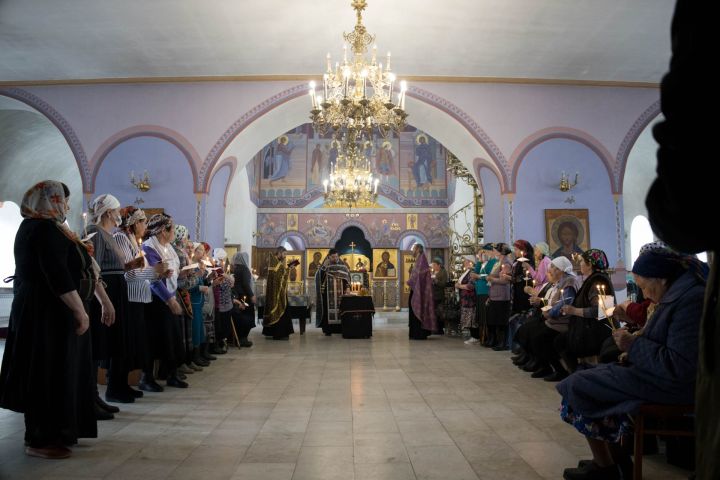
(345, 53)
(376, 185)
(387, 67)
(374, 55)
(329, 64)
(325, 185)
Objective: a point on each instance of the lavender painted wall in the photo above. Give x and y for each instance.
(170, 176)
(493, 206)
(214, 232)
(537, 190)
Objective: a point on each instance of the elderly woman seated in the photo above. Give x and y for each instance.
(659, 366)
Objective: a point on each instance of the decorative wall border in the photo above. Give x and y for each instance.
(241, 124)
(551, 133)
(645, 119)
(62, 125)
(170, 136)
(470, 125)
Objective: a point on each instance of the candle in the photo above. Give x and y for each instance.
(329, 65)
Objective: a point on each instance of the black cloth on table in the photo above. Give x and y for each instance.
(356, 313)
(47, 368)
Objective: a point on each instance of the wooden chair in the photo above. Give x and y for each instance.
(662, 413)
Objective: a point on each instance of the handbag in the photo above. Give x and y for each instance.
(586, 335)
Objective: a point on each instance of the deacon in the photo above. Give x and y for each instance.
(276, 317)
(422, 321)
(331, 281)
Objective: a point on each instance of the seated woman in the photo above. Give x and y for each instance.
(660, 365)
(545, 362)
(586, 334)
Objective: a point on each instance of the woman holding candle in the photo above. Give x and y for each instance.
(243, 316)
(499, 293)
(586, 334)
(541, 254)
(466, 286)
(660, 366)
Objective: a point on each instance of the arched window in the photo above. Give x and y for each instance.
(9, 222)
(640, 234)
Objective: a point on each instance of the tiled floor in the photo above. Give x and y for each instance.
(326, 408)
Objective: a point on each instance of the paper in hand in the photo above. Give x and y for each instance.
(192, 266)
(90, 235)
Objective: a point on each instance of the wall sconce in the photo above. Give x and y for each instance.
(565, 184)
(142, 184)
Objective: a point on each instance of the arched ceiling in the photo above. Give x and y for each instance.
(33, 150)
(609, 40)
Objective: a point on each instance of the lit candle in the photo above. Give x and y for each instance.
(374, 54)
(345, 53)
(329, 65)
(325, 185)
(388, 62)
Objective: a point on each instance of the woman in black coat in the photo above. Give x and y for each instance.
(243, 312)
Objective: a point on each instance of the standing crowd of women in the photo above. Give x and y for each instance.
(132, 294)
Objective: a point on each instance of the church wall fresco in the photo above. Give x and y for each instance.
(321, 230)
(289, 171)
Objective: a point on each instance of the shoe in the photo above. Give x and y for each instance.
(119, 397)
(185, 369)
(500, 348)
(181, 376)
(216, 349)
(244, 342)
(517, 350)
(198, 359)
(328, 334)
(542, 372)
(134, 393)
(176, 382)
(471, 341)
(50, 453)
(593, 472)
(108, 408)
(286, 337)
(205, 352)
(556, 376)
(532, 366)
(101, 414)
(150, 387)
(195, 367)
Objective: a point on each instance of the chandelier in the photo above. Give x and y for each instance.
(351, 182)
(357, 100)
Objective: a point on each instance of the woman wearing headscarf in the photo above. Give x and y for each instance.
(138, 276)
(197, 300)
(466, 286)
(593, 266)
(544, 361)
(498, 307)
(47, 368)
(186, 281)
(113, 346)
(483, 266)
(660, 367)
(166, 328)
(541, 254)
(243, 313)
(422, 320)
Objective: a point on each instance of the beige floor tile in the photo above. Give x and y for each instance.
(264, 471)
(384, 471)
(440, 463)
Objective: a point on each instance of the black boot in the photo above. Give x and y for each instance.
(101, 414)
(217, 349)
(244, 342)
(104, 406)
(205, 352)
(174, 380)
(148, 383)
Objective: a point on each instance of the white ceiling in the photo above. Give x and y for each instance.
(600, 40)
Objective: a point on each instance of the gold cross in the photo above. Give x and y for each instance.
(352, 247)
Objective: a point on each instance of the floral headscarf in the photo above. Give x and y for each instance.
(157, 223)
(654, 247)
(181, 234)
(597, 259)
(45, 200)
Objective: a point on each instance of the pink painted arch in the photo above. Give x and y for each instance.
(156, 131)
(551, 133)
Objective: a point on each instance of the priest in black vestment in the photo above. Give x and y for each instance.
(331, 280)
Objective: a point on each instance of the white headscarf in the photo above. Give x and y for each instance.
(563, 264)
(100, 205)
